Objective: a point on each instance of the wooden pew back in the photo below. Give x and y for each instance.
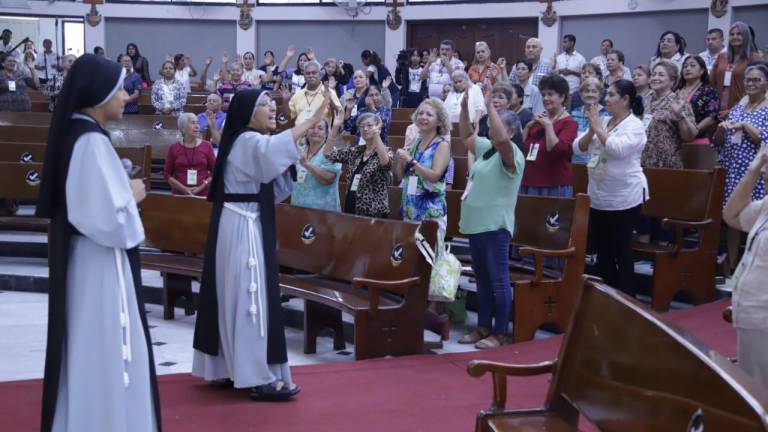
(625, 368)
(344, 247)
(20, 181)
(176, 223)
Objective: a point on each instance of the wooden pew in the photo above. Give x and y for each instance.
(129, 121)
(402, 114)
(544, 227)
(368, 268)
(178, 227)
(698, 156)
(684, 199)
(625, 368)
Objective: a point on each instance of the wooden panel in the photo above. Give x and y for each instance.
(175, 223)
(12, 152)
(20, 180)
(460, 172)
(697, 156)
(505, 37)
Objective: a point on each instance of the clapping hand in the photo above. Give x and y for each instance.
(311, 53)
(168, 58)
(432, 55)
(731, 125)
(387, 81)
(208, 61)
(502, 63)
(403, 156)
(677, 106)
(285, 92)
(350, 102)
(543, 119)
(225, 58)
(593, 114)
(291, 51)
(216, 77)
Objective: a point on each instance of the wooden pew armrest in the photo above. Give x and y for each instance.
(501, 371)
(680, 226)
(375, 286)
(538, 258)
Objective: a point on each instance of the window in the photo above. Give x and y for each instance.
(73, 33)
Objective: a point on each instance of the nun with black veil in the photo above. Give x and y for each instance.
(239, 337)
(99, 369)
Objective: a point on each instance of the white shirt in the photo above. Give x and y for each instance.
(532, 99)
(616, 179)
(475, 101)
(414, 80)
(183, 76)
(677, 59)
(253, 76)
(601, 61)
(574, 62)
(6, 48)
(710, 59)
(750, 298)
(49, 62)
(439, 76)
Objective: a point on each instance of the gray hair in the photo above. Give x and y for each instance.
(313, 63)
(460, 73)
(758, 67)
(748, 46)
(511, 122)
(184, 119)
(367, 116)
(592, 82)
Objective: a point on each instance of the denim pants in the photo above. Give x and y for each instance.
(490, 261)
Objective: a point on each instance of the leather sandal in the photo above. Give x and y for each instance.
(492, 341)
(474, 337)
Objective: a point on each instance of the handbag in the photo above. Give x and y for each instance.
(446, 271)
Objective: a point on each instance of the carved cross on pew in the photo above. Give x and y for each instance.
(550, 303)
(394, 4)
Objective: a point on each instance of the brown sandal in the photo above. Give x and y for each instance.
(474, 337)
(492, 341)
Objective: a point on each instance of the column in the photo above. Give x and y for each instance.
(394, 41)
(246, 39)
(550, 38)
(95, 36)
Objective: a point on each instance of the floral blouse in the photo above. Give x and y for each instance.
(52, 88)
(173, 95)
(15, 100)
(705, 103)
(428, 199)
(663, 149)
(371, 198)
(309, 192)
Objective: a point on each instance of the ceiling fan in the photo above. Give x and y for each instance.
(354, 7)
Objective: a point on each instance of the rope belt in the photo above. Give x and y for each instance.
(254, 238)
(125, 321)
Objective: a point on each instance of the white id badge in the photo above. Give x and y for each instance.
(533, 152)
(191, 177)
(727, 78)
(737, 136)
(355, 183)
(413, 183)
(466, 191)
(354, 110)
(308, 112)
(301, 175)
(11, 86)
(593, 161)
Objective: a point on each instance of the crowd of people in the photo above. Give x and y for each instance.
(524, 123)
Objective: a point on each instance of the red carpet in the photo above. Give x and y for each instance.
(409, 394)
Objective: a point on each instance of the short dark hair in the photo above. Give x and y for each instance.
(371, 56)
(7, 31)
(96, 49)
(47, 40)
(702, 65)
(679, 41)
(570, 37)
(607, 40)
(595, 68)
(269, 52)
(716, 31)
(555, 83)
(519, 90)
(526, 62)
(619, 54)
(450, 43)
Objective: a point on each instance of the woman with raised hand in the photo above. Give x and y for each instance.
(317, 179)
(239, 336)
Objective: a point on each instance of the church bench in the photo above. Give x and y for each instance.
(149, 109)
(624, 368)
(697, 156)
(684, 199)
(177, 227)
(194, 98)
(544, 227)
(402, 114)
(128, 121)
(368, 268)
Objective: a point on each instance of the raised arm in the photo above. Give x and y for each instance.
(742, 195)
(467, 132)
(500, 138)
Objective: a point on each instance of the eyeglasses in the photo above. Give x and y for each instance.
(753, 80)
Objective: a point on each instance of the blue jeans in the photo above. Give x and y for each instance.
(490, 261)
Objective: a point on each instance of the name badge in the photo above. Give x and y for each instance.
(354, 110)
(11, 86)
(737, 137)
(360, 141)
(593, 161)
(301, 175)
(191, 177)
(308, 112)
(727, 78)
(533, 152)
(413, 183)
(466, 190)
(355, 183)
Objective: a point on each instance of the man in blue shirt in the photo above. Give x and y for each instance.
(212, 118)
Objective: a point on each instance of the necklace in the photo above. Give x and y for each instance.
(751, 107)
(687, 91)
(312, 155)
(612, 123)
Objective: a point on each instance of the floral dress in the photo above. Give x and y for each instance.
(705, 103)
(426, 200)
(739, 150)
(664, 148)
(371, 198)
(309, 192)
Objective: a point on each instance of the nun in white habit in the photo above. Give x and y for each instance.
(99, 371)
(239, 336)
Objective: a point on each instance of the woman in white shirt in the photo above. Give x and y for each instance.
(750, 296)
(617, 185)
(462, 84)
(184, 70)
